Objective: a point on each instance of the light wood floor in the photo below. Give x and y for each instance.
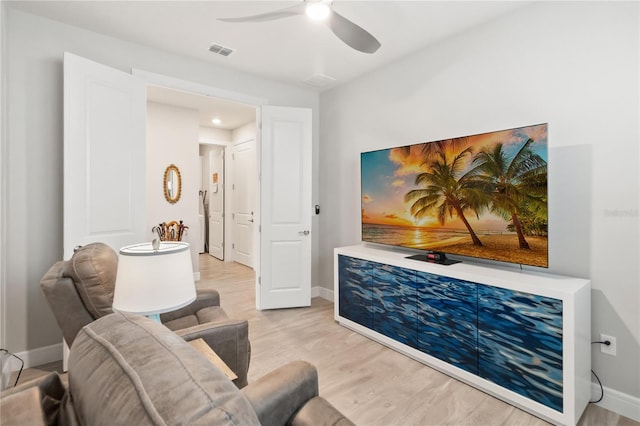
(369, 383)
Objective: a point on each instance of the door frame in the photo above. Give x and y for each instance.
(197, 88)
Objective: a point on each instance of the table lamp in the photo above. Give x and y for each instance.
(153, 281)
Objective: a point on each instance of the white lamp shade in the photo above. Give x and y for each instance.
(151, 282)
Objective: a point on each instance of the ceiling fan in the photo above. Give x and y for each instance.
(350, 33)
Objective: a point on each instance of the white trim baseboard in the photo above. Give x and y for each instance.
(38, 356)
(618, 402)
(322, 292)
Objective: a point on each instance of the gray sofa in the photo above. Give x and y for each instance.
(80, 290)
(129, 370)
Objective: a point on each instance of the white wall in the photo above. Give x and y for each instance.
(212, 135)
(34, 140)
(573, 65)
(244, 133)
(172, 138)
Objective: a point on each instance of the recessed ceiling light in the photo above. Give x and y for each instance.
(318, 11)
(216, 121)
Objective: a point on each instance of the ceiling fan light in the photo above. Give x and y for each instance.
(318, 11)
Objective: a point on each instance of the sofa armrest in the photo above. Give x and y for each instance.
(229, 339)
(37, 402)
(204, 299)
(22, 408)
(277, 396)
(319, 412)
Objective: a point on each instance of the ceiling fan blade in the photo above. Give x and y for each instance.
(352, 34)
(298, 9)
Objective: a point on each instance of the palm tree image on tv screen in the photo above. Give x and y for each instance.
(481, 196)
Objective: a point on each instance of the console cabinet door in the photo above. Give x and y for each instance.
(520, 343)
(447, 320)
(355, 296)
(394, 303)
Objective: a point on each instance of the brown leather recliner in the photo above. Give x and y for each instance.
(129, 370)
(80, 290)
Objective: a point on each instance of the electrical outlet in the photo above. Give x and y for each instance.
(608, 349)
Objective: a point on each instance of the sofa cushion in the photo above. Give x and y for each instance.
(93, 268)
(127, 369)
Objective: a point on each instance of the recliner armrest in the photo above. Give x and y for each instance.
(229, 339)
(204, 299)
(22, 408)
(319, 412)
(277, 396)
(37, 402)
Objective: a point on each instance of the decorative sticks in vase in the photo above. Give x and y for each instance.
(172, 231)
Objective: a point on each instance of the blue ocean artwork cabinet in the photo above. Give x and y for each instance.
(522, 337)
(394, 303)
(520, 343)
(355, 291)
(448, 318)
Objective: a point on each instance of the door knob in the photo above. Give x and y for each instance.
(303, 233)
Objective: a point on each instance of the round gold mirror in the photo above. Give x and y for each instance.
(172, 184)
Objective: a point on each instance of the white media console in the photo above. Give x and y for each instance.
(521, 336)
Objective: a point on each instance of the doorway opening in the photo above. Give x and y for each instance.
(225, 182)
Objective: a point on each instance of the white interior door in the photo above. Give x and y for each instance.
(216, 203)
(244, 200)
(104, 155)
(285, 200)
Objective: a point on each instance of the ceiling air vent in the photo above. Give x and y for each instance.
(220, 50)
(319, 80)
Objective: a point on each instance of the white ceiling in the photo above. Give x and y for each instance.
(289, 50)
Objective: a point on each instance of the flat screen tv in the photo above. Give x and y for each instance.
(482, 196)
